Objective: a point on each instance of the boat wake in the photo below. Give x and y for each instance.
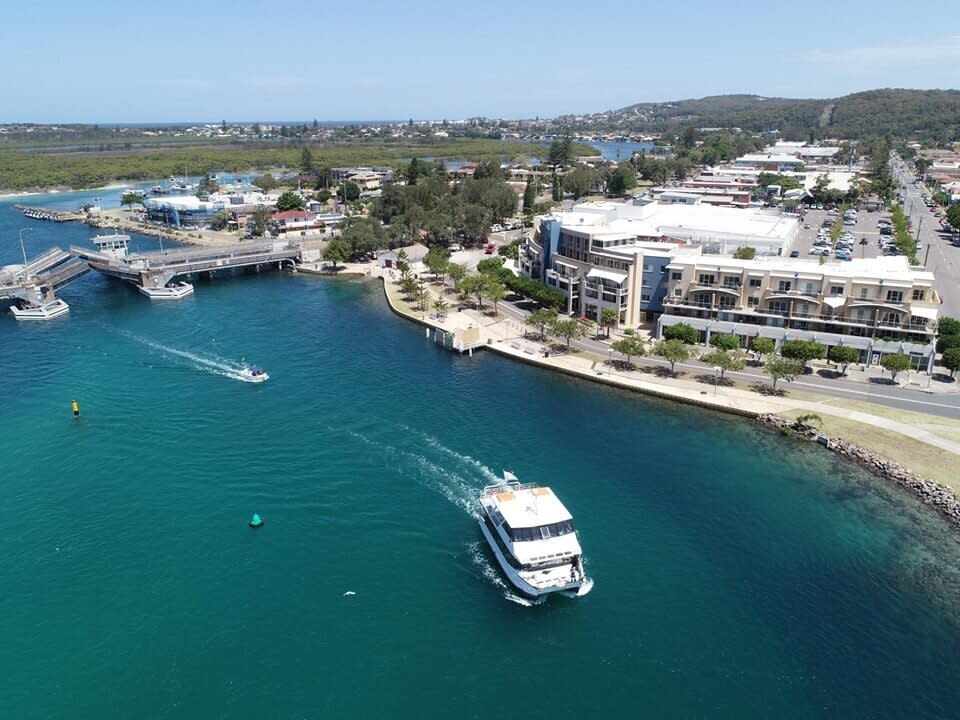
(211, 364)
(491, 575)
(457, 477)
(459, 489)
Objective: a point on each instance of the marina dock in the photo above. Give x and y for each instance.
(48, 215)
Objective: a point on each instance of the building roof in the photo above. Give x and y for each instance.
(619, 220)
(893, 268)
(294, 215)
(769, 158)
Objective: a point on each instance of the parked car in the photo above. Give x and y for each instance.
(796, 253)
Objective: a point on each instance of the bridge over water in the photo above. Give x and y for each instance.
(157, 269)
(38, 279)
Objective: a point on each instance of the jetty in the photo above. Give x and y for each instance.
(48, 215)
(156, 269)
(36, 281)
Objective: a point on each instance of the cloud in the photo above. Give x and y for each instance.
(943, 49)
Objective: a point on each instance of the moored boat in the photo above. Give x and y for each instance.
(532, 536)
(43, 311)
(168, 292)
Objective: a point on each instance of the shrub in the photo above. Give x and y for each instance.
(683, 332)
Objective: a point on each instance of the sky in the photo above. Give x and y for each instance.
(238, 60)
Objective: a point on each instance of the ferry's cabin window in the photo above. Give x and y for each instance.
(540, 533)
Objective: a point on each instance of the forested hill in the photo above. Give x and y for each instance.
(902, 113)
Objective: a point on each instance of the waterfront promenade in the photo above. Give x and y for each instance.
(925, 444)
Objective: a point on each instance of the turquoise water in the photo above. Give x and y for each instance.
(738, 574)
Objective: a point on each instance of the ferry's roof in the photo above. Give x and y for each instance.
(531, 507)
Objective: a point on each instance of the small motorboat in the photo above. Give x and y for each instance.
(254, 373)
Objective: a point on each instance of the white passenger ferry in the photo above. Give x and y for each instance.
(532, 536)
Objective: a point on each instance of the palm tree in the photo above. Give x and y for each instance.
(440, 307)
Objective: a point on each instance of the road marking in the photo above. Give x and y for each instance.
(877, 395)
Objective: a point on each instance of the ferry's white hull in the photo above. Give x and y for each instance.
(172, 292)
(576, 588)
(47, 311)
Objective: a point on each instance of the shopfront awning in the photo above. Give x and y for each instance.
(607, 275)
(929, 313)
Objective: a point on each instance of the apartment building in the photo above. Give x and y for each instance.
(614, 255)
(877, 305)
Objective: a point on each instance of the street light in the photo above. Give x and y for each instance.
(22, 250)
(716, 378)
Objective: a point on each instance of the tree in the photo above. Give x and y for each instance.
(683, 332)
(843, 355)
(629, 346)
(529, 198)
(364, 235)
(350, 191)
(265, 182)
(745, 252)
(219, 221)
(457, 273)
(608, 318)
(290, 200)
(673, 351)
(724, 341)
(258, 221)
(409, 286)
(569, 329)
(724, 360)
(951, 360)
(131, 198)
(948, 326)
(781, 368)
(953, 216)
(896, 364)
(474, 285)
(542, 318)
(802, 350)
(437, 259)
(946, 342)
(622, 179)
(338, 250)
(496, 291)
(762, 346)
(440, 307)
(306, 160)
(580, 181)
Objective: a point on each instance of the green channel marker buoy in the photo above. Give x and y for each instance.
(256, 521)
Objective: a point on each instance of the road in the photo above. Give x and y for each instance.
(937, 253)
(940, 404)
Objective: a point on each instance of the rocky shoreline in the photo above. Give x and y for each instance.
(942, 498)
